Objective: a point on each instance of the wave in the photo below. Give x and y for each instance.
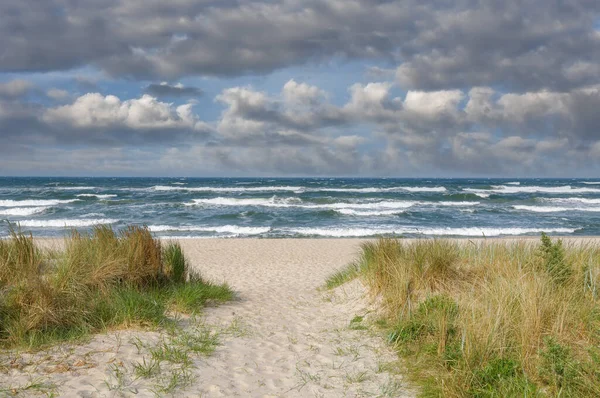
(457, 203)
(228, 189)
(224, 229)
(65, 222)
(75, 188)
(92, 195)
(571, 200)
(28, 203)
(298, 203)
(591, 182)
(513, 183)
(425, 189)
(473, 231)
(552, 209)
(351, 212)
(504, 189)
(297, 189)
(23, 211)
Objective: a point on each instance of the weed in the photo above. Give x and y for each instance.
(146, 369)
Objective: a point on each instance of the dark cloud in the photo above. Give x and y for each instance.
(168, 90)
(436, 44)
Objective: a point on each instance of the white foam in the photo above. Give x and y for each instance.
(351, 212)
(28, 203)
(59, 223)
(364, 232)
(591, 182)
(297, 203)
(75, 188)
(457, 203)
(297, 189)
(425, 189)
(573, 200)
(376, 190)
(23, 211)
(503, 189)
(229, 189)
(554, 209)
(513, 183)
(223, 229)
(92, 195)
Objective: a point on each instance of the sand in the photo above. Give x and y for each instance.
(282, 337)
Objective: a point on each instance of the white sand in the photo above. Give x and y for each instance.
(281, 338)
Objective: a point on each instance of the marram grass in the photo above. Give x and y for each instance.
(101, 280)
(499, 319)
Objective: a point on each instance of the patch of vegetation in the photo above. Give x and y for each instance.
(491, 319)
(101, 280)
(342, 276)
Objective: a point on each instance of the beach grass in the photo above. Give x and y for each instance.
(99, 281)
(489, 319)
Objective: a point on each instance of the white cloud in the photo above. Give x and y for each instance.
(94, 110)
(301, 93)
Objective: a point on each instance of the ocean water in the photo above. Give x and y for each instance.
(303, 207)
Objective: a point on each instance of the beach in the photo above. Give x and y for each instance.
(282, 336)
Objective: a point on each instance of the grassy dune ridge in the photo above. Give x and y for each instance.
(99, 281)
(489, 319)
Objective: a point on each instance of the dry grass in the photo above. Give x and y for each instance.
(491, 319)
(101, 280)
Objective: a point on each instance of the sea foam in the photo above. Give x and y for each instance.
(504, 189)
(23, 211)
(298, 203)
(28, 203)
(553, 209)
(65, 222)
(226, 229)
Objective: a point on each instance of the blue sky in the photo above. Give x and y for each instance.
(316, 87)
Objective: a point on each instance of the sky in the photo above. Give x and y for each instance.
(412, 88)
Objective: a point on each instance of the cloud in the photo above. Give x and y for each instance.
(436, 45)
(95, 111)
(58, 94)
(14, 89)
(165, 89)
(299, 131)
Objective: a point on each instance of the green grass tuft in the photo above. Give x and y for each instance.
(101, 280)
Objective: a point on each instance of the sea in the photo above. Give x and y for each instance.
(302, 207)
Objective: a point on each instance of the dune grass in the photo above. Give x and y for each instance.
(99, 281)
(485, 319)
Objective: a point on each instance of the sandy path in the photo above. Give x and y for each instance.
(297, 340)
(282, 338)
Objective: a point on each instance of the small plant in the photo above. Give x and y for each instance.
(553, 256)
(356, 323)
(342, 276)
(175, 264)
(146, 369)
(558, 368)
